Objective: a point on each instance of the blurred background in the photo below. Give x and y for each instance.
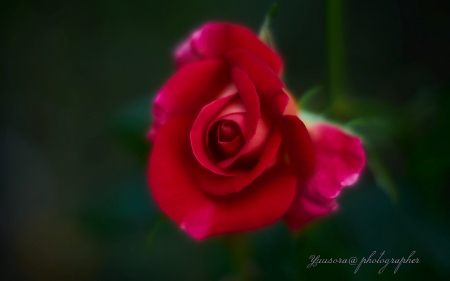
(77, 80)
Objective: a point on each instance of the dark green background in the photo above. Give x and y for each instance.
(77, 79)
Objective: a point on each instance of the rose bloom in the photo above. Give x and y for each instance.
(229, 151)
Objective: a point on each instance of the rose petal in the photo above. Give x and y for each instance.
(177, 193)
(307, 207)
(339, 161)
(299, 147)
(291, 107)
(253, 147)
(226, 143)
(249, 98)
(216, 184)
(267, 83)
(229, 149)
(199, 132)
(185, 54)
(240, 118)
(188, 90)
(258, 127)
(228, 131)
(339, 154)
(213, 40)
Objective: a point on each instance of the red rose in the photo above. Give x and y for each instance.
(229, 150)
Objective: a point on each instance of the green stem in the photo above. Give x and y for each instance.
(336, 57)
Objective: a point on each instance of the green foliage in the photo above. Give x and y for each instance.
(314, 100)
(264, 32)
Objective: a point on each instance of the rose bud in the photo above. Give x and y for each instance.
(339, 160)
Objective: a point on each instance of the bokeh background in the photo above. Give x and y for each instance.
(77, 80)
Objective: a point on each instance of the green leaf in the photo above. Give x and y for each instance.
(375, 135)
(315, 99)
(381, 174)
(264, 32)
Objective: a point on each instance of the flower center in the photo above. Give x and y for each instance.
(225, 140)
(227, 131)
